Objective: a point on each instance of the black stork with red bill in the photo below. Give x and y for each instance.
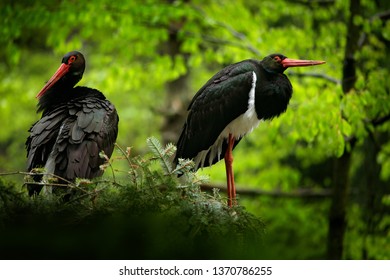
(230, 105)
(77, 123)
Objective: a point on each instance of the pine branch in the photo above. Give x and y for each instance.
(184, 166)
(161, 153)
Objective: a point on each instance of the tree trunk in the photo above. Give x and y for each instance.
(337, 217)
(175, 109)
(371, 190)
(338, 209)
(177, 90)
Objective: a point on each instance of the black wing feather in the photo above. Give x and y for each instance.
(93, 131)
(73, 135)
(221, 100)
(42, 138)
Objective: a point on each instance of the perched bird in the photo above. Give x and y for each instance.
(230, 105)
(77, 123)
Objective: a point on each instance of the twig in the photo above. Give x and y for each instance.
(68, 183)
(126, 154)
(16, 173)
(35, 173)
(47, 184)
(108, 163)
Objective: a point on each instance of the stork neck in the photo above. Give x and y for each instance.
(273, 93)
(59, 93)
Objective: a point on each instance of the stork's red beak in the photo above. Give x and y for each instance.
(61, 71)
(297, 62)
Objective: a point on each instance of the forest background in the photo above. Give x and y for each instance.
(318, 176)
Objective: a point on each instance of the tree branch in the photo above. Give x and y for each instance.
(299, 193)
(238, 35)
(219, 41)
(316, 75)
(385, 15)
(241, 37)
(380, 120)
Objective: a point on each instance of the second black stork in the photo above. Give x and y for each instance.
(77, 123)
(230, 105)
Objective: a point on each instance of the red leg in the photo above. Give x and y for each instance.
(231, 189)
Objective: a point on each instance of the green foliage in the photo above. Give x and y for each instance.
(294, 230)
(163, 155)
(149, 216)
(360, 243)
(134, 48)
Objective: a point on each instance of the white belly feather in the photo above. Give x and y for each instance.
(240, 126)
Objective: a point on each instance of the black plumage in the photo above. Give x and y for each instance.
(231, 104)
(77, 123)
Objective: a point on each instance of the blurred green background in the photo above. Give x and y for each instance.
(318, 176)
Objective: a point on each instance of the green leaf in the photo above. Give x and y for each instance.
(346, 128)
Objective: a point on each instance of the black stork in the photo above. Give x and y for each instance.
(230, 105)
(77, 123)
